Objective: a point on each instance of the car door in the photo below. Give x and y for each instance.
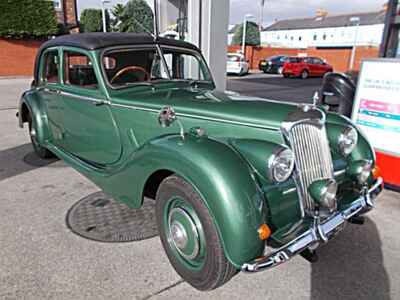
(90, 131)
(319, 66)
(48, 92)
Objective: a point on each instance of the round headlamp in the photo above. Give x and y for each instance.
(281, 165)
(360, 170)
(324, 193)
(348, 140)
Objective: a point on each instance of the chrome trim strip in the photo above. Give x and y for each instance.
(319, 232)
(136, 107)
(197, 117)
(84, 98)
(339, 172)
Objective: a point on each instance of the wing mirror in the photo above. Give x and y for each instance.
(166, 116)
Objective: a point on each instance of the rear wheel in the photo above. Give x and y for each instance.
(304, 74)
(39, 150)
(190, 237)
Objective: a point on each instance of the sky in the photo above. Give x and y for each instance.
(279, 9)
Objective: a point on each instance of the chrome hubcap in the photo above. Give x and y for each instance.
(179, 235)
(183, 233)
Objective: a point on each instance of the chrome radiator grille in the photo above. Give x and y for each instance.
(313, 158)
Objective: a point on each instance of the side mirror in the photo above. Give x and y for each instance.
(166, 116)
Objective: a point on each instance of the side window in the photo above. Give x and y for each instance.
(318, 61)
(78, 70)
(50, 67)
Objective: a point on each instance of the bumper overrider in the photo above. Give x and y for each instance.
(319, 232)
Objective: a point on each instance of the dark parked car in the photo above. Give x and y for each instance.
(305, 67)
(273, 64)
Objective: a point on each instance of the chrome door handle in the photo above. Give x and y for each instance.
(102, 102)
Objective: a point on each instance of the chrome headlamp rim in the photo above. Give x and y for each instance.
(347, 149)
(272, 164)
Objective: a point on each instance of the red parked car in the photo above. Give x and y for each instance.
(305, 67)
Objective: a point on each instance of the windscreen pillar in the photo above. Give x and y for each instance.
(208, 22)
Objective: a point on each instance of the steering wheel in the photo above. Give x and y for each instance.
(130, 69)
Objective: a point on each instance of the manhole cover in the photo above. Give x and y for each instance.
(99, 217)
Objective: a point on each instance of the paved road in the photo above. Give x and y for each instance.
(275, 87)
(40, 258)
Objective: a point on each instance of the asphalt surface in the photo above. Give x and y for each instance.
(40, 258)
(275, 87)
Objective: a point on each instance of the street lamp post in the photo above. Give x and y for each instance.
(355, 20)
(103, 12)
(248, 16)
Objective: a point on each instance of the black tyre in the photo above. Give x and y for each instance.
(39, 150)
(190, 237)
(304, 74)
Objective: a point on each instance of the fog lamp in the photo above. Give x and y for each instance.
(324, 193)
(360, 170)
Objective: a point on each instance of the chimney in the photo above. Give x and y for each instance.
(321, 13)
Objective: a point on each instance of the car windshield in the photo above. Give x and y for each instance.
(131, 66)
(233, 57)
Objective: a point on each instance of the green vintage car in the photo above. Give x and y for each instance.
(240, 184)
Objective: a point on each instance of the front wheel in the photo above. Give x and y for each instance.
(39, 150)
(304, 74)
(189, 236)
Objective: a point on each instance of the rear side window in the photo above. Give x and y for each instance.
(78, 70)
(50, 72)
(294, 59)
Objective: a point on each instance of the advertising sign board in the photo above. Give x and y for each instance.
(376, 111)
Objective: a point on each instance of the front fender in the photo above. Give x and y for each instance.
(221, 177)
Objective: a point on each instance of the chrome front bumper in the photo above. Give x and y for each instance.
(319, 232)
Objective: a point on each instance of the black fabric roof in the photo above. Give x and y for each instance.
(371, 18)
(98, 40)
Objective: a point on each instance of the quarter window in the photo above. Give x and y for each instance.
(50, 72)
(78, 70)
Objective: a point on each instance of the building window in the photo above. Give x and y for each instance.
(324, 37)
(315, 37)
(278, 37)
(286, 37)
(299, 38)
(57, 4)
(291, 38)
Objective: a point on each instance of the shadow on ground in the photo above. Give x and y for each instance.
(351, 266)
(21, 159)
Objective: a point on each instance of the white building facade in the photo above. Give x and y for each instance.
(362, 29)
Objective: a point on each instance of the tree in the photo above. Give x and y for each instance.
(117, 12)
(137, 17)
(252, 34)
(91, 20)
(27, 19)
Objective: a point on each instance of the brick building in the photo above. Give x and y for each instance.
(67, 14)
(17, 57)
